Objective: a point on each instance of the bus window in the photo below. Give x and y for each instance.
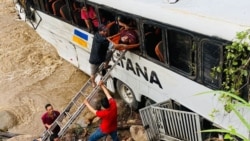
(56, 5)
(128, 21)
(48, 5)
(153, 42)
(65, 13)
(108, 18)
(90, 17)
(42, 5)
(211, 54)
(181, 55)
(35, 4)
(76, 14)
(127, 33)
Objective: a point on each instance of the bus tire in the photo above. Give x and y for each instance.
(127, 94)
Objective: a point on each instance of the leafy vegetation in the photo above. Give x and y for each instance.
(233, 106)
(235, 76)
(236, 63)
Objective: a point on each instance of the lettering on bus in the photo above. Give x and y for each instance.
(139, 71)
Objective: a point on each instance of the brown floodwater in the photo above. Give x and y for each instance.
(31, 74)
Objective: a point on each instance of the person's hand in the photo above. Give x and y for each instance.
(122, 46)
(100, 83)
(85, 101)
(48, 126)
(126, 27)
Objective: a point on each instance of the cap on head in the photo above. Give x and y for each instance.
(102, 28)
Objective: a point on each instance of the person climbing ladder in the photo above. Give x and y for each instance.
(108, 116)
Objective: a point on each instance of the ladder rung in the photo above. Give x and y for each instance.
(68, 114)
(82, 93)
(89, 82)
(76, 104)
(49, 132)
(59, 123)
(76, 101)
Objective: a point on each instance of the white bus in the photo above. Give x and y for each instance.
(190, 35)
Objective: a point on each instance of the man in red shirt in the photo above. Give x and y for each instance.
(108, 117)
(49, 117)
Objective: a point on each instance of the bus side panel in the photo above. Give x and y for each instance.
(71, 43)
(160, 84)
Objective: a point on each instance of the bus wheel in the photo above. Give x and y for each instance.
(126, 94)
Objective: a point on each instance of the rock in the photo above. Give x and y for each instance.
(138, 133)
(123, 107)
(82, 122)
(22, 138)
(88, 118)
(128, 139)
(8, 120)
(95, 102)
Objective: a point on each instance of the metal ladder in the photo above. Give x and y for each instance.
(76, 106)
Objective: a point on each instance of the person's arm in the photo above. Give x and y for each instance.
(114, 36)
(123, 25)
(88, 24)
(131, 46)
(119, 46)
(89, 106)
(47, 125)
(44, 122)
(124, 46)
(110, 24)
(114, 40)
(105, 90)
(85, 17)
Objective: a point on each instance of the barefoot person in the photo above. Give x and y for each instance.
(98, 53)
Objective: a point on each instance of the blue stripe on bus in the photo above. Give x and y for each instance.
(81, 34)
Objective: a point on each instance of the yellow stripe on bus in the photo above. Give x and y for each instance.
(79, 41)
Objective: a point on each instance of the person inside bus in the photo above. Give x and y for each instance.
(126, 38)
(108, 19)
(88, 14)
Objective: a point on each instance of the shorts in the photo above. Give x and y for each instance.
(93, 69)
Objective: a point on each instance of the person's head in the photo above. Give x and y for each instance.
(103, 30)
(128, 37)
(54, 137)
(124, 39)
(105, 102)
(84, 8)
(49, 108)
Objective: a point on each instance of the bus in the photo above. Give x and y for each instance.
(180, 42)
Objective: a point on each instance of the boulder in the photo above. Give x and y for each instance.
(8, 120)
(22, 138)
(138, 133)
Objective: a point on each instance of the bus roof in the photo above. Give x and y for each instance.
(222, 19)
